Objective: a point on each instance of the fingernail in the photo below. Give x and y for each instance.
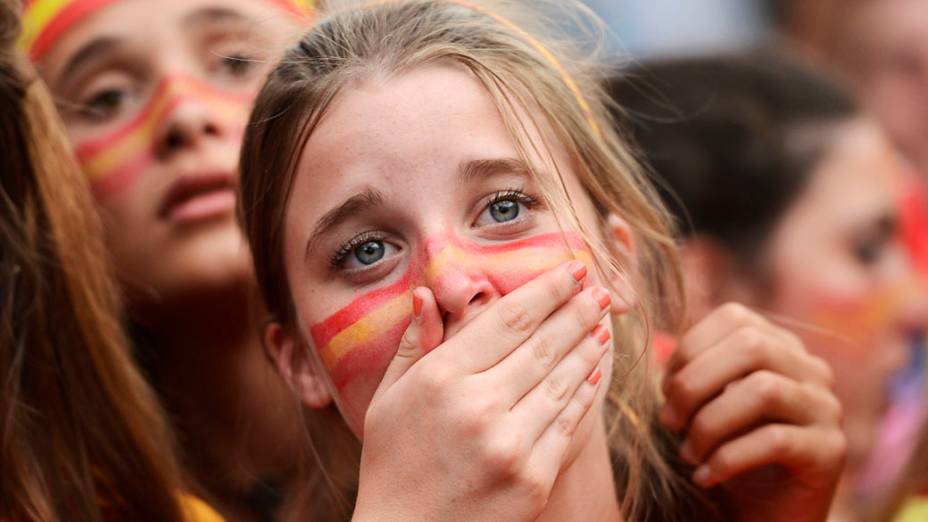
(416, 305)
(577, 269)
(595, 377)
(703, 476)
(601, 333)
(686, 453)
(602, 297)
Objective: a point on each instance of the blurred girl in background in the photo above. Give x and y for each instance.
(787, 195)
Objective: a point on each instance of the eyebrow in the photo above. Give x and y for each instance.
(91, 52)
(209, 15)
(484, 168)
(358, 203)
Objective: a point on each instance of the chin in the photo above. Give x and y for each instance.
(211, 262)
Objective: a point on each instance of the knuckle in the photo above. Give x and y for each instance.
(736, 314)
(566, 426)
(838, 445)
(516, 318)
(556, 388)
(543, 352)
(826, 373)
(502, 456)
(754, 342)
(778, 440)
(767, 386)
(535, 488)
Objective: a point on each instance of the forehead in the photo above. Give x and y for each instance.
(859, 175)
(154, 23)
(426, 120)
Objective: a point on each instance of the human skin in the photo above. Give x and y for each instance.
(885, 51)
(155, 97)
(839, 268)
(398, 148)
(836, 274)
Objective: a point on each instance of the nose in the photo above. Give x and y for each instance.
(187, 126)
(459, 281)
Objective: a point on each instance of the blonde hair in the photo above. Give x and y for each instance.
(498, 43)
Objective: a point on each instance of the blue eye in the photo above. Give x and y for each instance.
(503, 211)
(370, 252)
(507, 207)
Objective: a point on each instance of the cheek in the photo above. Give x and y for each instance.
(114, 160)
(860, 317)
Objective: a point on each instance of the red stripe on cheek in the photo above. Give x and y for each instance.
(366, 363)
(324, 331)
(110, 184)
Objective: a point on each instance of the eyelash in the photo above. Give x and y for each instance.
(338, 257)
(514, 194)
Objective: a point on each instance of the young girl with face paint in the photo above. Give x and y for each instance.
(82, 437)
(790, 194)
(417, 172)
(154, 96)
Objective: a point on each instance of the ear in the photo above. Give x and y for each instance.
(294, 364)
(621, 243)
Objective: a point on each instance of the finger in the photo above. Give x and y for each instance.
(528, 365)
(550, 449)
(423, 334)
(545, 402)
(710, 330)
(810, 452)
(507, 323)
(761, 397)
(744, 351)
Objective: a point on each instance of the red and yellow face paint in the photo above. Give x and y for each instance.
(359, 339)
(45, 21)
(113, 160)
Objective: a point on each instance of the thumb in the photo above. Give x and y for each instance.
(422, 335)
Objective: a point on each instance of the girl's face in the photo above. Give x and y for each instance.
(155, 97)
(407, 181)
(840, 269)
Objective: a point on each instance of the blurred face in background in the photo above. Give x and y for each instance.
(837, 268)
(155, 97)
(885, 48)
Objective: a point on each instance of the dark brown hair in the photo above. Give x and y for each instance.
(81, 435)
(732, 140)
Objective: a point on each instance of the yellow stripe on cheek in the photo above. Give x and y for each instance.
(366, 329)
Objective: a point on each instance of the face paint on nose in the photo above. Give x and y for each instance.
(359, 340)
(114, 161)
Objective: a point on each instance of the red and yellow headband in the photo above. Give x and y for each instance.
(44, 21)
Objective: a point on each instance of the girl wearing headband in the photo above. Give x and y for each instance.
(154, 96)
(412, 171)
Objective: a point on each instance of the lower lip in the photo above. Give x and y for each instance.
(209, 205)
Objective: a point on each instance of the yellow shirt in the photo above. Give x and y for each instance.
(195, 510)
(914, 510)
